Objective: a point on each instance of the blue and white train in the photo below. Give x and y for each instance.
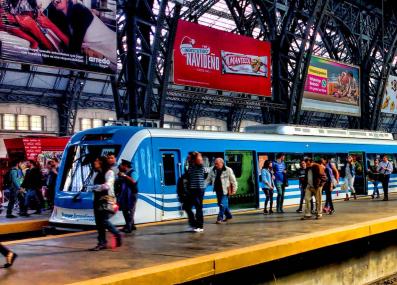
(159, 156)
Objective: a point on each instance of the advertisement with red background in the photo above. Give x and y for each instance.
(206, 57)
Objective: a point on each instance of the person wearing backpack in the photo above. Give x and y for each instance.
(14, 180)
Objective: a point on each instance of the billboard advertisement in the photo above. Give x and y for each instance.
(60, 33)
(206, 57)
(389, 104)
(332, 87)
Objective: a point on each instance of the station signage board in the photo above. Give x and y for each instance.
(389, 103)
(332, 87)
(77, 35)
(214, 59)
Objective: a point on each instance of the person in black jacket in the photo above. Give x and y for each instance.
(9, 255)
(33, 182)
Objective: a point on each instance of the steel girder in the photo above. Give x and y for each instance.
(70, 103)
(145, 39)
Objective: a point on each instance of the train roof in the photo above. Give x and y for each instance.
(124, 133)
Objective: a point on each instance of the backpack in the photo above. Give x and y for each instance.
(7, 180)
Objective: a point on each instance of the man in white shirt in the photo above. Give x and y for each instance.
(385, 168)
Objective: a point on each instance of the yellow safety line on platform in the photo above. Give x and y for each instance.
(217, 263)
(21, 227)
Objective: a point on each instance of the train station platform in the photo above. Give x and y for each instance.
(167, 253)
(23, 225)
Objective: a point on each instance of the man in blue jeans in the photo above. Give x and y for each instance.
(280, 174)
(225, 183)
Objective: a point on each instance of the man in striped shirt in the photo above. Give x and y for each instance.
(385, 168)
(195, 195)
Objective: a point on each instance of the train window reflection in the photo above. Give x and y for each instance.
(78, 169)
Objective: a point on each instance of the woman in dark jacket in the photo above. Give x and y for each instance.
(103, 181)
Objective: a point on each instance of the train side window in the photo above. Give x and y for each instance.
(235, 162)
(209, 159)
(340, 161)
(169, 169)
(292, 161)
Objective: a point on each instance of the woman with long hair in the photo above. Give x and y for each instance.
(268, 185)
(103, 188)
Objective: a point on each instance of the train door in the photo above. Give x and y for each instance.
(170, 165)
(360, 181)
(242, 163)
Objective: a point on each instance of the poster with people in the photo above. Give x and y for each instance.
(332, 87)
(75, 34)
(389, 104)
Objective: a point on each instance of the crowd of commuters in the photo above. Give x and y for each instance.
(116, 187)
(30, 186)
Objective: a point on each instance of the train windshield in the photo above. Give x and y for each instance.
(78, 170)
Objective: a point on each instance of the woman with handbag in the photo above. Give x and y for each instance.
(104, 202)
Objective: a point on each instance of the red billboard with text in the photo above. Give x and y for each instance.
(206, 57)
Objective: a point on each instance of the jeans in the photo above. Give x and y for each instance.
(223, 203)
(102, 223)
(32, 194)
(385, 185)
(195, 199)
(280, 196)
(376, 189)
(11, 201)
(349, 180)
(130, 213)
(328, 196)
(269, 197)
(308, 196)
(3, 250)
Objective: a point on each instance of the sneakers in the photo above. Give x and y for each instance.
(198, 230)
(318, 217)
(219, 222)
(10, 259)
(299, 211)
(11, 216)
(270, 212)
(99, 247)
(331, 212)
(265, 212)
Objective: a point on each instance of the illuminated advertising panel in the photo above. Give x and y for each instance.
(332, 87)
(60, 33)
(206, 57)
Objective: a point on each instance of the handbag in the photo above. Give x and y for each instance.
(108, 204)
(344, 187)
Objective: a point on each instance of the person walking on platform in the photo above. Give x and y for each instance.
(302, 186)
(349, 175)
(224, 181)
(280, 173)
(196, 173)
(373, 175)
(112, 161)
(315, 179)
(268, 185)
(385, 168)
(9, 255)
(33, 182)
(103, 188)
(329, 185)
(128, 196)
(15, 178)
